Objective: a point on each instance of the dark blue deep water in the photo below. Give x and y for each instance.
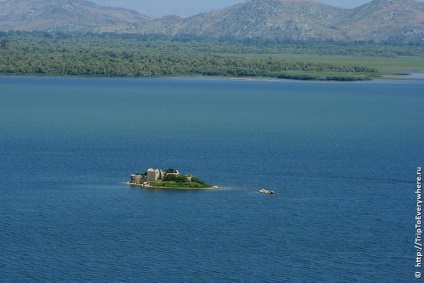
(342, 157)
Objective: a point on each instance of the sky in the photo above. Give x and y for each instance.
(157, 8)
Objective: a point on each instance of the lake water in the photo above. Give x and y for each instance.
(341, 156)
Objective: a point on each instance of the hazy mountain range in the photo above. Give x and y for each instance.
(400, 21)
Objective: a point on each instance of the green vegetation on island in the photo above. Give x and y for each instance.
(114, 55)
(183, 183)
(170, 179)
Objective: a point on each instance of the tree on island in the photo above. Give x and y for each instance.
(197, 180)
(171, 170)
(182, 178)
(175, 178)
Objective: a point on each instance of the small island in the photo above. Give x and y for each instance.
(169, 179)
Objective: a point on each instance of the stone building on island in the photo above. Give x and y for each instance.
(152, 175)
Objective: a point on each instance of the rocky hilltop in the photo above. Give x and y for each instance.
(395, 21)
(269, 19)
(400, 21)
(385, 20)
(67, 15)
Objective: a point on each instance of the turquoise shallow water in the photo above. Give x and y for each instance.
(342, 157)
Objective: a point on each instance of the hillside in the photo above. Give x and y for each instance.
(67, 15)
(392, 21)
(386, 20)
(396, 21)
(269, 19)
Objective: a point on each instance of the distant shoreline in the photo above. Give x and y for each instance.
(414, 76)
(394, 77)
(258, 78)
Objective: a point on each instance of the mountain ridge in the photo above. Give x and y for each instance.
(398, 21)
(67, 15)
(258, 18)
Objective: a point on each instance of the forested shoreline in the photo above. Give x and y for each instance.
(113, 55)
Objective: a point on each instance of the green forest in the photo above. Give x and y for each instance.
(113, 55)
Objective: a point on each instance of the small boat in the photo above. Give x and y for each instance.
(267, 192)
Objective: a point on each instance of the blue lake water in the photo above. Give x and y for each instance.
(341, 156)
